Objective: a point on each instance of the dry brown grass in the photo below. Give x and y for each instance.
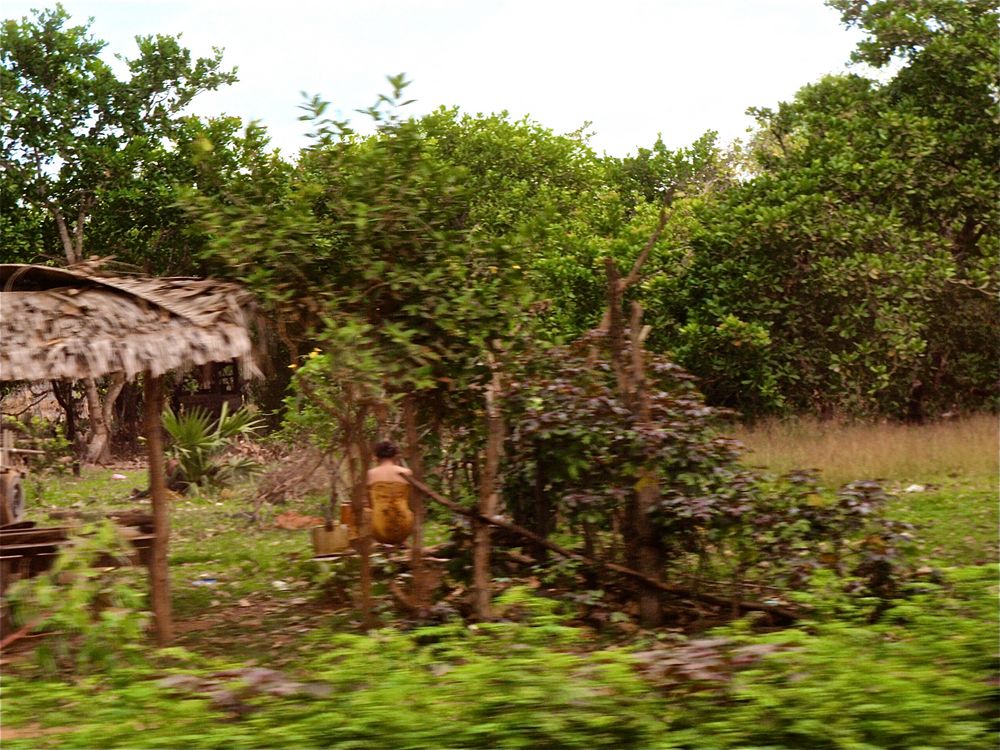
(966, 448)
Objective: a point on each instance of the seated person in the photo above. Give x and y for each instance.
(389, 495)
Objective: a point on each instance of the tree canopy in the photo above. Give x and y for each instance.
(842, 261)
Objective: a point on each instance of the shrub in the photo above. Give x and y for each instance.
(198, 443)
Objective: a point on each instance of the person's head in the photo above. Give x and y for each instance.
(386, 451)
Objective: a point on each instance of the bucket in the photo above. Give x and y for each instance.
(328, 541)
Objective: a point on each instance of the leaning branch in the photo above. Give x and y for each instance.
(633, 275)
(622, 284)
(747, 606)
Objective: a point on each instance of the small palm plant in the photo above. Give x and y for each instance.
(198, 444)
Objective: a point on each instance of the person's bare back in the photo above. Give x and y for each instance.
(388, 472)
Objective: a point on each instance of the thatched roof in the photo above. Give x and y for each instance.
(59, 323)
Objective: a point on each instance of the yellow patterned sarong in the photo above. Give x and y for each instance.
(392, 519)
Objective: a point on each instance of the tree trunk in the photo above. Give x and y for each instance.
(125, 434)
(415, 461)
(159, 572)
(100, 412)
(72, 243)
(69, 249)
(642, 546)
(63, 391)
(481, 578)
(651, 557)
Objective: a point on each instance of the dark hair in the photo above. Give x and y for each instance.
(385, 449)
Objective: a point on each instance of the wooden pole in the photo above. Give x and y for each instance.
(159, 572)
(364, 547)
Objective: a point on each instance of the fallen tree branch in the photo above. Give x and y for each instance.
(746, 606)
(23, 632)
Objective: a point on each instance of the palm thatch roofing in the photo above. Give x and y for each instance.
(69, 324)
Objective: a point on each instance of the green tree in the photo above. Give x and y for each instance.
(74, 134)
(77, 141)
(855, 272)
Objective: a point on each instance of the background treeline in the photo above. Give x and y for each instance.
(842, 261)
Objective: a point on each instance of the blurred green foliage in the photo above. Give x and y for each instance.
(94, 608)
(922, 677)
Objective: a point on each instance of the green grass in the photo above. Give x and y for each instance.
(259, 570)
(957, 522)
(93, 491)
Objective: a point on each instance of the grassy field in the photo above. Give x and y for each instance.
(944, 476)
(238, 585)
(965, 449)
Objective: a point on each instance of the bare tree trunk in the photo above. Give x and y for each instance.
(159, 572)
(67, 242)
(642, 547)
(98, 434)
(648, 489)
(100, 412)
(481, 578)
(72, 243)
(650, 557)
(108, 410)
(415, 460)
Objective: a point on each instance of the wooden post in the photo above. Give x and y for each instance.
(159, 572)
(481, 578)
(356, 458)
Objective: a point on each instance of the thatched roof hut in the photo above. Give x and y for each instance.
(65, 324)
(72, 324)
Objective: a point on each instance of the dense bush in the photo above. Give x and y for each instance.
(922, 677)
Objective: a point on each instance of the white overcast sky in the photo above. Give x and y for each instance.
(634, 68)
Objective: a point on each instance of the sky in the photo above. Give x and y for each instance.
(632, 68)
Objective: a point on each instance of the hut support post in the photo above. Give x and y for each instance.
(159, 573)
